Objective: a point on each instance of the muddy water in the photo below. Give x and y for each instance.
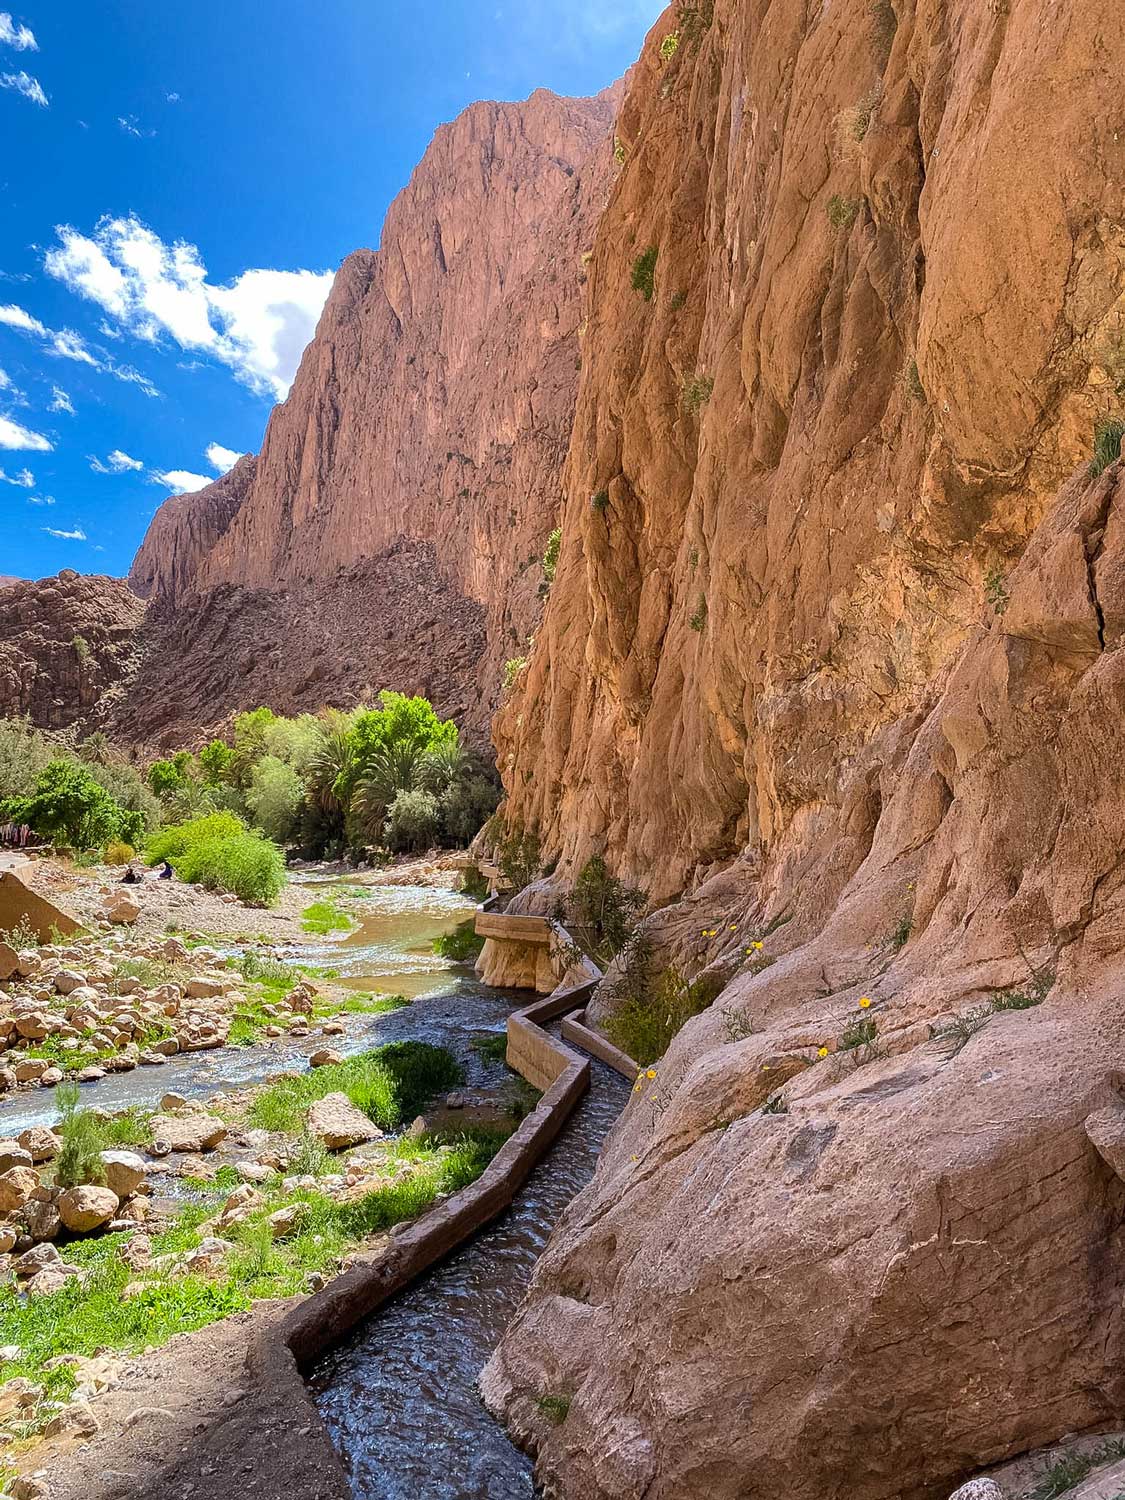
(400, 1398)
(391, 952)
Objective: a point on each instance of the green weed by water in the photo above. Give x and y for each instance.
(462, 945)
(324, 917)
(389, 1084)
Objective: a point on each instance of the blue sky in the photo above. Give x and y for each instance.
(178, 184)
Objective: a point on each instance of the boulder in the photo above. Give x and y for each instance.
(16, 1186)
(8, 1238)
(325, 1058)
(978, 1489)
(41, 1219)
(33, 1261)
(124, 1171)
(40, 1142)
(337, 1122)
(9, 961)
(12, 1154)
(84, 1208)
(201, 988)
(121, 910)
(188, 1132)
(33, 1025)
(66, 980)
(286, 1220)
(31, 1070)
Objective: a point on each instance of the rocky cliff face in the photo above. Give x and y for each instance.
(834, 657)
(68, 647)
(435, 403)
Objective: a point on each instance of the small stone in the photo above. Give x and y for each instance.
(339, 1124)
(12, 1154)
(124, 1171)
(169, 1103)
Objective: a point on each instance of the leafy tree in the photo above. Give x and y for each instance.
(215, 761)
(400, 722)
(165, 778)
(24, 752)
(274, 797)
(294, 741)
(412, 820)
(467, 806)
(249, 742)
(68, 806)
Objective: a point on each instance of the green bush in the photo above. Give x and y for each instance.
(644, 1024)
(69, 806)
(274, 797)
(644, 272)
(390, 1084)
(551, 554)
(413, 820)
(1108, 436)
(220, 853)
(600, 501)
(842, 212)
(79, 1159)
(462, 945)
(24, 753)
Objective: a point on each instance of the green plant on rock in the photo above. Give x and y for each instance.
(519, 856)
(996, 590)
(551, 554)
(1108, 436)
(600, 501)
(81, 647)
(884, 28)
(695, 19)
(79, 1158)
(618, 151)
(697, 391)
(646, 1021)
(842, 212)
(699, 618)
(1068, 1471)
(899, 935)
(512, 669)
(669, 46)
(605, 908)
(555, 1408)
(913, 382)
(643, 278)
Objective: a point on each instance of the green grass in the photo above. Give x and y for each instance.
(493, 1047)
(1108, 436)
(389, 1084)
(1070, 1470)
(324, 917)
(644, 1024)
(461, 945)
(362, 1005)
(85, 1319)
(643, 278)
(220, 853)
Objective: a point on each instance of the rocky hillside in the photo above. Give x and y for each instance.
(832, 664)
(434, 404)
(68, 647)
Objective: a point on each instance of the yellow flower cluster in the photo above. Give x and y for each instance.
(865, 1003)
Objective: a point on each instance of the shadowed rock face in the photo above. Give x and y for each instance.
(67, 646)
(840, 654)
(435, 402)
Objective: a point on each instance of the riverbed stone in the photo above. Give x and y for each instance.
(31, 1262)
(171, 1102)
(124, 1171)
(325, 1057)
(16, 1186)
(41, 1219)
(188, 1132)
(66, 980)
(12, 1154)
(40, 1142)
(84, 1208)
(979, 1489)
(201, 988)
(339, 1124)
(9, 961)
(31, 1070)
(8, 1237)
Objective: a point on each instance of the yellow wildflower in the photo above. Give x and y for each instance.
(822, 1052)
(651, 1073)
(865, 1002)
(734, 926)
(757, 947)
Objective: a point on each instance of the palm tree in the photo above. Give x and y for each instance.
(440, 767)
(394, 768)
(330, 764)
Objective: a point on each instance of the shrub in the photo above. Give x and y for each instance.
(884, 27)
(644, 1025)
(413, 820)
(220, 853)
(618, 151)
(600, 501)
(1108, 436)
(669, 46)
(697, 391)
(79, 1159)
(118, 853)
(518, 856)
(551, 554)
(699, 618)
(912, 380)
(842, 212)
(69, 806)
(81, 647)
(996, 590)
(555, 1408)
(462, 945)
(512, 669)
(606, 908)
(274, 797)
(644, 273)
(24, 753)
(466, 807)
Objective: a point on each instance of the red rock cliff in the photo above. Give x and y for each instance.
(435, 402)
(835, 646)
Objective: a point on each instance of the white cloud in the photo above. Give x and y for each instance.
(116, 463)
(259, 324)
(221, 458)
(14, 35)
(182, 481)
(16, 317)
(132, 126)
(67, 344)
(172, 98)
(77, 535)
(5, 380)
(24, 84)
(41, 499)
(12, 435)
(24, 479)
(60, 401)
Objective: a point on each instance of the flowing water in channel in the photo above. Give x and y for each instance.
(399, 1398)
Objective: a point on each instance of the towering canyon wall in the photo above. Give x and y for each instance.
(433, 407)
(833, 665)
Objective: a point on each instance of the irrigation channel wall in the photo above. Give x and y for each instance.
(286, 1350)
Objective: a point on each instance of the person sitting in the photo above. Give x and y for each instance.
(165, 872)
(130, 876)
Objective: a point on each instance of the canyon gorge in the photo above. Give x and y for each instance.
(809, 336)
